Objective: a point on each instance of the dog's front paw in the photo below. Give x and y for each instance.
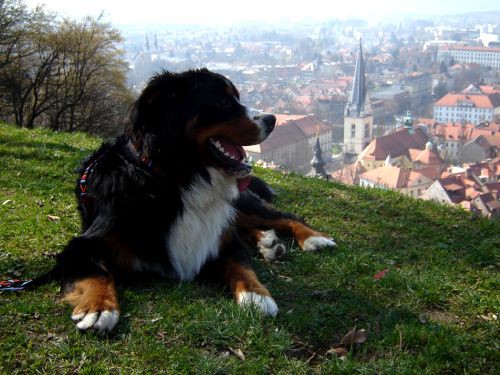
(269, 247)
(100, 321)
(314, 243)
(265, 304)
(95, 302)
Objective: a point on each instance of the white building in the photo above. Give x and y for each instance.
(462, 107)
(484, 56)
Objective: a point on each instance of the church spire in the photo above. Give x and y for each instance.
(356, 104)
(317, 163)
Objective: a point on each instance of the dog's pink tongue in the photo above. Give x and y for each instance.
(243, 183)
(233, 150)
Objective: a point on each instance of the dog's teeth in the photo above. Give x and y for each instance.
(226, 154)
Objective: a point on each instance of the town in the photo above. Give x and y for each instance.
(411, 105)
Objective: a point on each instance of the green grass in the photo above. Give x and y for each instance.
(423, 317)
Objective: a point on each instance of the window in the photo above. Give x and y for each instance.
(353, 130)
(367, 130)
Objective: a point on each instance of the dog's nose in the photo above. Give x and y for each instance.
(269, 121)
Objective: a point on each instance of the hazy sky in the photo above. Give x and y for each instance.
(229, 11)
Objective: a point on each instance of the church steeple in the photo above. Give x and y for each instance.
(356, 104)
(358, 119)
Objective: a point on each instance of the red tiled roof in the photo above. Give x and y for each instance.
(453, 131)
(417, 177)
(349, 174)
(478, 100)
(388, 176)
(469, 48)
(489, 89)
(427, 157)
(281, 136)
(394, 144)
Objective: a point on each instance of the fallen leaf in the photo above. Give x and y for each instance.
(380, 274)
(341, 351)
(53, 218)
(238, 353)
(354, 337)
(6, 202)
(156, 319)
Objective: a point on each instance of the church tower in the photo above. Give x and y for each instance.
(358, 119)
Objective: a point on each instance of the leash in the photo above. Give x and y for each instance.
(14, 285)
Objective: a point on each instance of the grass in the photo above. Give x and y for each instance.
(431, 313)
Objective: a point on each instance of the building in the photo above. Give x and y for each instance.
(484, 56)
(465, 107)
(396, 101)
(419, 87)
(405, 161)
(475, 188)
(291, 144)
(405, 181)
(451, 137)
(358, 119)
(479, 149)
(395, 146)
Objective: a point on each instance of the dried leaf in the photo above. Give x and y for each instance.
(156, 319)
(381, 274)
(6, 202)
(341, 351)
(53, 218)
(354, 337)
(490, 317)
(238, 353)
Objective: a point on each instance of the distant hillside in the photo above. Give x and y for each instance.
(420, 278)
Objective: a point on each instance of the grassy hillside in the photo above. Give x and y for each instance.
(432, 312)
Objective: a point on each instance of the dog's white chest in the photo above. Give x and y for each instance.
(195, 235)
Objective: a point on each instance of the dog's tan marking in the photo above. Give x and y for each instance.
(92, 294)
(243, 279)
(247, 289)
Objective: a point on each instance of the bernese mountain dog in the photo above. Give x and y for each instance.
(173, 197)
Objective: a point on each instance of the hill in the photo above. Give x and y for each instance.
(433, 309)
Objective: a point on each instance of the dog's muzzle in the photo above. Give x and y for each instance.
(265, 121)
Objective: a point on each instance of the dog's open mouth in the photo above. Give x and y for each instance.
(230, 157)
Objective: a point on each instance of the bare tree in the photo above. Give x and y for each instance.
(67, 75)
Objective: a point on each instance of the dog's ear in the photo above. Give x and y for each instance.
(158, 103)
(158, 111)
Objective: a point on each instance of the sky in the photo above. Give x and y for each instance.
(214, 12)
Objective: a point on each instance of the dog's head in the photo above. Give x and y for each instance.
(196, 117)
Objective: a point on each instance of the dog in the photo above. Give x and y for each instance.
(174, 197)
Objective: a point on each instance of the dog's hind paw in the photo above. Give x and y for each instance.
(314, 243)
(265, 304)
(101, 322)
